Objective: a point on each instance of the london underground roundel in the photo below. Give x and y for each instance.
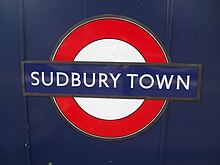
(112, 39)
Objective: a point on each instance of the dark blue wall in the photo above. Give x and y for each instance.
(31, 130)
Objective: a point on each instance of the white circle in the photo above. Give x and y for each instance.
(109, 50)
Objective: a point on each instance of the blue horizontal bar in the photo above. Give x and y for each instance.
(112, 80)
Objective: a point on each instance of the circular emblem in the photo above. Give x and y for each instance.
(110, 39)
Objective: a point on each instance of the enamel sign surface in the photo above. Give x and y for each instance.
(110, 77)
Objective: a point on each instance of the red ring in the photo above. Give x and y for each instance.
(135, 35)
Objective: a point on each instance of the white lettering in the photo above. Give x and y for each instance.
(185, 84)
(51, 79)
(93, 80)
(35, 78)
(115, 79)
(132, 79)
(164, 80)
(75, 79)
(102, 79)
(148, 76)
(58, 79)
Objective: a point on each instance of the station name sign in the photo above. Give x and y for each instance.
(112, 80)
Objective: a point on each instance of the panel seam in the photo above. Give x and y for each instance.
(168, 39)
(24, 100)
